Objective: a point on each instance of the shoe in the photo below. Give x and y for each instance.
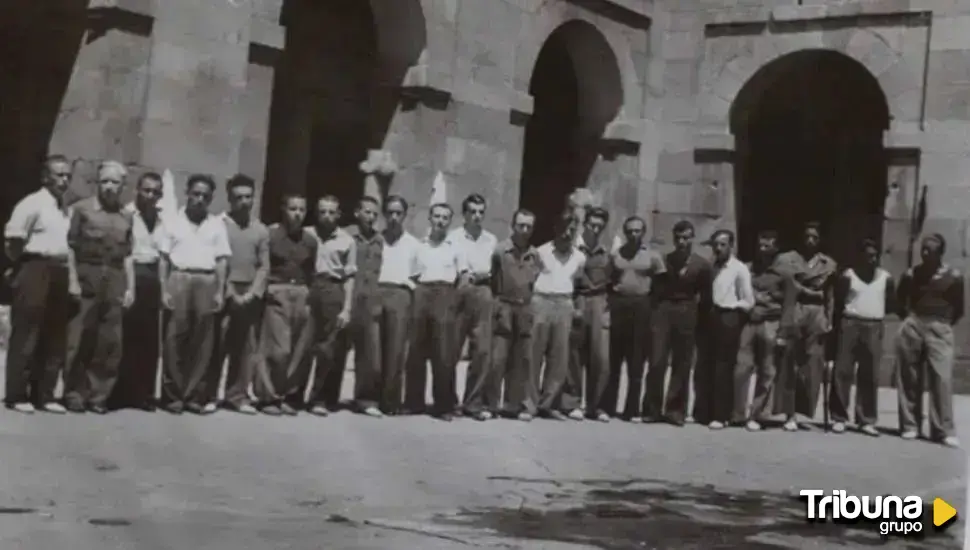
(76, 407)
(147, 407)
(602, 417)
(636, 420)
(716, 425)
(951, 441)
(23, 408)
(174, 408)
(673, 421)
(288, 410)
(372, 412)
(525, 417)
(195, 408)
(869, 430)
(53, 408)
(245, 408)
(271, 410)
(445, 417)
(98, 409)
(576, 414)
(209, 408)
(557, 415)
(482, 416)
(838, 427)
(790, 426)
(319, 410)
(908, 435)
(753, 426)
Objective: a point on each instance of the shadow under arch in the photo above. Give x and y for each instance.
(336, 91)
(577, 88)
(809, 132)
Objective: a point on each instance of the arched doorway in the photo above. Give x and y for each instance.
(577, 91)
(809, 140)
(336, 91)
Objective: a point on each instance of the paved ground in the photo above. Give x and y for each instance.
(152, 481)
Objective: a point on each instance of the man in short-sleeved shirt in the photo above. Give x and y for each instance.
(194, 252)
(36, 244)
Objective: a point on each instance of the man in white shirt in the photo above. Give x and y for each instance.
(440, 264)
(732, 297)
(474, 304)
(554, 308)
(194, 252)
(36, 244)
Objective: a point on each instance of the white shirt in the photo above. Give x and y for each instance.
(732, 286)
(399, 261)
(191, 246)
(478, 252)
(145, 244)
(336, 255)
(41, 224)
(618, 240)
(440, 262)
(557, 276)
(866, 300)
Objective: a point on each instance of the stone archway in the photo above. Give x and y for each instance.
(336, 91)
(808, 130)
(577, 89)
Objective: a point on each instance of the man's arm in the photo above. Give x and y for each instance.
(258, 288)
(891, 308)
(790, 297)
(903, 293)
(745, 289)
(350, 270)
(74, 232)
(130, 256)
(956, 296)
(18, 230)
(222, 253)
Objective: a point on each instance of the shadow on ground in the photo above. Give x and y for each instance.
(654, 514)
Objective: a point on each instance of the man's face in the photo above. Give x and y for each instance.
(684, 240)
(328, 212)
(474, 214)
(930, 251)
(871, 256)
(440, 218)
(241, 199)
(634, 230)
(198, 197)
(110, 182)
(394, 214)
(149, 192)
(593, 226)
(294, 211)
(367, 214)
(767, 247)
(57, 177)
(722, 247)
(522, 226)
(811, 238)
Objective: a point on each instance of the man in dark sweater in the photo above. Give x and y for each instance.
(930, 299)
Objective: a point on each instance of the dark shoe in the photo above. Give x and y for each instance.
(271, 410)
(98, 409)
(288, 410)
(445, 417)
(174, 408)
(556, 415)
(243, 408)
(75, 407)
(674, 421)
(147, 407)
(195, 408)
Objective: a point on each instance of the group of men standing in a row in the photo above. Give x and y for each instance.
(550, 327)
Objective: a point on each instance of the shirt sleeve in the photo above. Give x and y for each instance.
(956, 296)
(350, 263)
(745, 289)
(162, 237)
(75, 228)
(22, 220)
(658, 265)
(221, 247)
(902, 294)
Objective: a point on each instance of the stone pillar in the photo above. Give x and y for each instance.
(379, 169)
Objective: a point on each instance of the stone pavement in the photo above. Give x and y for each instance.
(152, 481)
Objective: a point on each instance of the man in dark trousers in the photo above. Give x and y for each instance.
(239, 323)
(589, 340)
(931, 302)
(141, 335)
(287, 328)
(35, 241)
(867, 294)
(515, 266)
(102, 280)
(765, 335)
(680, 293)
(194, 253)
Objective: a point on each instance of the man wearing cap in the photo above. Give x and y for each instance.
(102, 280)
(931, 302)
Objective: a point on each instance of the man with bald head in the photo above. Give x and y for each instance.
(102, 281)
(36, 244)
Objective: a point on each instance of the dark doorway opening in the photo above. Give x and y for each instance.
(809, 131)
(577, 91)
(336, 91)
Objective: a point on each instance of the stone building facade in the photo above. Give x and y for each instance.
(733, 114)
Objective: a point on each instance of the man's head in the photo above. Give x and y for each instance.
(812, 236)
(634, 229)
(241, 190)
(473, 208)
(199, 189)
(111, 179)
(440, 217)
(395, 212)
(367, 211)
(722, 241)
(869, 249)
(767, 244)
(328, 212)
(56, 175)
(149, 190)
(595, 222)
(294, 211)
(523, 223)
(566, 227)
(932, 249)
(683, 233)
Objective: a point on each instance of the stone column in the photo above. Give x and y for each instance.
(379, 169)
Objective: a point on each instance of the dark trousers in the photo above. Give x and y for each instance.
(629, 344)
(511, 358)
(714, 378)
(860, 342)
(803, 368)
(380, 355)
(432, 337)
(589, 357)
(39, 314)
(928, 340)
(236, 338)
(286, 334)
(350, 339)
(326, 303)
(94, 337)
(141, 342)
(760, 355)
(474, 322)
(189, 331)
(673, 337)
(550, 352)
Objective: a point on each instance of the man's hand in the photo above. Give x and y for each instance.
(129, 298)
(343, 319)
(167, 301)
(74, 288)
(220, 301)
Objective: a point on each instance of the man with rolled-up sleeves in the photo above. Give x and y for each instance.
(194, 251)
(102, 281)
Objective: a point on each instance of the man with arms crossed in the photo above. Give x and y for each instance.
(194, 251)
(36, 244)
